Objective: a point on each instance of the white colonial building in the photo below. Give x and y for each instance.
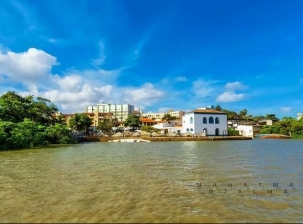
(119, 111)
(204, 121)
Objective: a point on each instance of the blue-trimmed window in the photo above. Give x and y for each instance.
(204, 120)
(210, 120)
(216, 120)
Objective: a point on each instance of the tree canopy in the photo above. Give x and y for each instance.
(105, 126)
(168, 117)
(27, 122)
(132, 121)
(80, 122)
(16, 108)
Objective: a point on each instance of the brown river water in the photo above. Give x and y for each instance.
(218, 181)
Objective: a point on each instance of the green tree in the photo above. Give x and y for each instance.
(42, 111)
(16, 108)
(243, 113)
(168, 117)
(132, 121)
(218, 108)
(115, 122)
(148, 128)
(80, 122)
(58, 134)
(6, 128)
(105, 126)
(271, 117)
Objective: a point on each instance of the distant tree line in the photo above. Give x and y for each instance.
(285, 126)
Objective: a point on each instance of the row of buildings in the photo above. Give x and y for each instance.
(204, 121)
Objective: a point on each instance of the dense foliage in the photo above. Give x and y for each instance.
(132, 121)
(149, 129)
(27, 122)
(105, 126)
(285, 126)
(80, 122)
(168, 117)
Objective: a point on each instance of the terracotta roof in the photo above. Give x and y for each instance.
(147, 120)
(201, 111)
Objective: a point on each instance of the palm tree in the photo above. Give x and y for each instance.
(218, 108)
(105, 126)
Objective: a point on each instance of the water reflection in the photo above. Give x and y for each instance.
(154, 182)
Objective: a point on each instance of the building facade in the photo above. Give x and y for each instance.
(159, 116)
(119, 111)
(206, 122)
(96, 117)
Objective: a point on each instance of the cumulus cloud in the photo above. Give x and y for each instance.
(26, 67)
(71, 91)
(230, 94)
(285, 109)
(146, 95)
(203, 88)
(235, 86)
(230, 97)
(181, 79)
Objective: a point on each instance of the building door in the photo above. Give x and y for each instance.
(217, 131)
(204, 132)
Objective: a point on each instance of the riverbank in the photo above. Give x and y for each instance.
(273, 136)
(163, 139)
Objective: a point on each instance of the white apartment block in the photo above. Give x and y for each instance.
(119, 111)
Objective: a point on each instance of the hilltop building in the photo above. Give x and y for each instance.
(119, 111)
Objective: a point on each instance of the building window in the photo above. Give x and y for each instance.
(191, 120)
(211, 120)
(216, 120)
(191, 129)
(204, 120)
(187, 129)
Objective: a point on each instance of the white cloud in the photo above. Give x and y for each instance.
(181, 79)
(26, 67)
(230, 94)
(203, 88)
(285, 109)
(235, 86)
(229, 97)
(146, 95)
(101, 58)
(72, 83)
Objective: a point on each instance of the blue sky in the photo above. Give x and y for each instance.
(157, 54)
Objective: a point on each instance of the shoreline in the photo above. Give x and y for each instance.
(169, 139)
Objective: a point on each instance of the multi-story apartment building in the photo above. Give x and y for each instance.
(159, 116)
(119, 111)
(95, 117)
